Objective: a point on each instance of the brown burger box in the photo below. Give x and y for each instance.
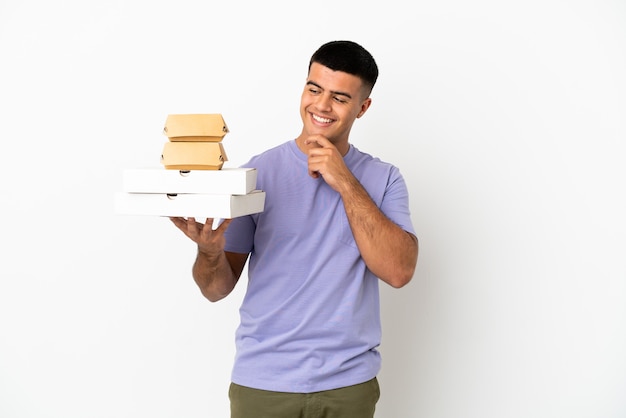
(206, 127)
(197, 155)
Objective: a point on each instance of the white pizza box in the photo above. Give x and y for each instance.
(229, 181)
(190, 204)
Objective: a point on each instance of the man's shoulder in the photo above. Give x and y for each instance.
(362, 158)
(269, 155)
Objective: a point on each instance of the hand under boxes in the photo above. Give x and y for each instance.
(193, 182)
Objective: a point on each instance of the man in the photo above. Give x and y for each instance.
(336, 220)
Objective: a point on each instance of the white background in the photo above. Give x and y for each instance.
(507, 120)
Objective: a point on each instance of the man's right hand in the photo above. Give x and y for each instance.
(210, 241)
(216, 272)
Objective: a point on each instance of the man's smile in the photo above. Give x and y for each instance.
(321, 119)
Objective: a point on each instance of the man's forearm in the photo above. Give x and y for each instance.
(388, 251)
(213, 275)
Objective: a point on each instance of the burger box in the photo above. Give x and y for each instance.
(194, 205)
(193, 155)
(228, 181)
(195, 127)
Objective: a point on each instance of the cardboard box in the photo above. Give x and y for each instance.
(193, 156)
(190, 205)
(195, 127)
(229, 181)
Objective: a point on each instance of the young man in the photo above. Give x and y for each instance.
(336, 221)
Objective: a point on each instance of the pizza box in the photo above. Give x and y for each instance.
(190, 204)
(230, 181)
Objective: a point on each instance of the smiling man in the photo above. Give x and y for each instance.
(336, 222)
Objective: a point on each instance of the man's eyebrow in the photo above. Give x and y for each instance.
(340, 93)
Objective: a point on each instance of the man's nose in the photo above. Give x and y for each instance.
(324, 102)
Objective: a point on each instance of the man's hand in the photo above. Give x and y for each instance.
(210, 241)
(214, 271)
(326, 161)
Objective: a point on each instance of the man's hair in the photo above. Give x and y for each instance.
(348, 57)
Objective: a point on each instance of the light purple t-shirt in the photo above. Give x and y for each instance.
(310, 318)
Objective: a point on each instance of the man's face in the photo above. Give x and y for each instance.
(330, 103)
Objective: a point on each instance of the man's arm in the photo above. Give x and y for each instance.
(388, 251)
(216, 276)
(215, 271)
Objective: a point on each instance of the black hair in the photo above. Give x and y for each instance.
(348, 57)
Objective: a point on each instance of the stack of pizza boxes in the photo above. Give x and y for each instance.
(192, 180)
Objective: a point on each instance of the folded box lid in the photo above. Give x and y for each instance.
(208, 127)
(193, 155)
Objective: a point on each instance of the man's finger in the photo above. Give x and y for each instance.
(320, 140)
(207, 228)
(178, 221)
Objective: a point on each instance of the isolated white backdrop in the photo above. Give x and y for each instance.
(506, 118)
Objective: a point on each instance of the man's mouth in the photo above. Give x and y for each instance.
(320, 119)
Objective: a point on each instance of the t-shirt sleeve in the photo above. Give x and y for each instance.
(240, 232)
(240, 235)
(395, 204)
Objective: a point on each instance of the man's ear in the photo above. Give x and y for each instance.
(364, 106)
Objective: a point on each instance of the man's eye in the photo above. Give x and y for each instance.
(339, 99)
